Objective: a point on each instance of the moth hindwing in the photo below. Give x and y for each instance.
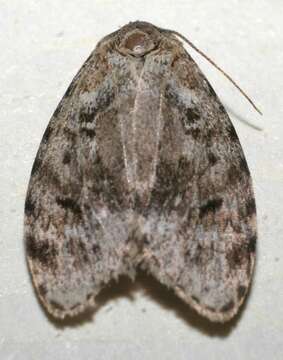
(140, 166)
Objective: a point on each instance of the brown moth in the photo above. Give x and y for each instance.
(141, 167)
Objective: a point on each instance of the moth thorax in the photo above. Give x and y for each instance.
(137, 43)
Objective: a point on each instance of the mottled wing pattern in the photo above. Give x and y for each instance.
(75, 229)
(140, 165)
(201, 229)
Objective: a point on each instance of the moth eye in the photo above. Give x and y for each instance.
(137, 43)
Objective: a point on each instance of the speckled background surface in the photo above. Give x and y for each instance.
(43, 44)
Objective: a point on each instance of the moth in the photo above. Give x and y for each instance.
(140, 167)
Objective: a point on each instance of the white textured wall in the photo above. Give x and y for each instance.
(43, 44)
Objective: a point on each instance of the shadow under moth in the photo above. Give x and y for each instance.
(141, 167)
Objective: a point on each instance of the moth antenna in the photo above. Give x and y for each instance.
(216, 66)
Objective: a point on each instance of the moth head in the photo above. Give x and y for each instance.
(138, 39)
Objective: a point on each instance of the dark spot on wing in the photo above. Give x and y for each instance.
(189, 121)
(211, 158)
(104, 99)
(250, 207)
(237, 171)
(42, 290)
(210, 136)
(36, 165)
(168, 185)
(145, 240)
(222, 108)
(171, 95)
(194, 132)
(241, 291)
(47, 133)
(192, 115)
(87, 117)
(232, 174)
(74, 306)
(57, 111)
(71, 248)
(232, 133)
(211, 90)
(70, 89)
(244, 166)
(95, 248)
(227, 307)
(29, 206)
(106, 187)
(56, 305)
(66, 157)
(42, 251)
(68, 203)
(96, 225)
(89, 113)
(83, 251)
(211, 206)
(70, 135)
(199, 256)
(89, 296)
(252, 244)
(196, 299)
(236, 256)
(89, 132)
